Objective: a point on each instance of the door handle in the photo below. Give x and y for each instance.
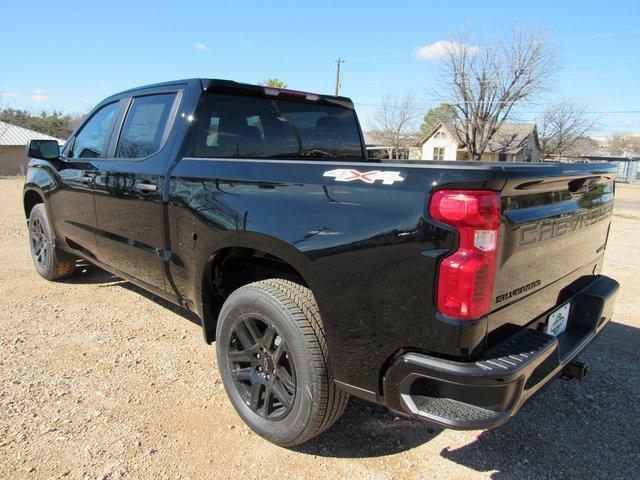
(145, 187)
(85, 179)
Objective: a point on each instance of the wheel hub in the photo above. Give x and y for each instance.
(262, 370)
(265, 361)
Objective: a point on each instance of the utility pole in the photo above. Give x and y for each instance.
(338, 62)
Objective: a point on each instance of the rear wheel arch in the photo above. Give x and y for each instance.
(230, 267)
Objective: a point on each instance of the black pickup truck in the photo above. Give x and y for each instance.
(448, 291)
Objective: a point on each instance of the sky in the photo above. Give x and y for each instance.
(68, 55)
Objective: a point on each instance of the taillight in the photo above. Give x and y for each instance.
(465, 278)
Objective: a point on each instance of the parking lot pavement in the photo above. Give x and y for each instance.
(101, 380)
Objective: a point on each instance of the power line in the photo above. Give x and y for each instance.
(604, 112)
(623, 33)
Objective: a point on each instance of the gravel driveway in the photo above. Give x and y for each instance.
(100, 380)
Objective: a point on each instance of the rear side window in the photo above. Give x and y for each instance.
(234, 126)
(91, 141)
(144, 126)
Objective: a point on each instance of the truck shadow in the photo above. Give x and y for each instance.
(589, 429)
(88, 274)
(365, 430)
(369, 430)
(571, 429)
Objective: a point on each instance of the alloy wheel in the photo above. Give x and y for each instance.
(39, 245)
(262, 367)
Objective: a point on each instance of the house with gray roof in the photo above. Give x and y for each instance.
(13, 143)
(513, 142)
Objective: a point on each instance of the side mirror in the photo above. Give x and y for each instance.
(43, 149)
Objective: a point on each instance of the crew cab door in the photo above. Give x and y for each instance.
(72, 206)
(128, 188)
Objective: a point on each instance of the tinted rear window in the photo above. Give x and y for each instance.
(233, 126)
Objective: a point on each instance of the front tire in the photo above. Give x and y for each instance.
(273, 360)
(50, 262)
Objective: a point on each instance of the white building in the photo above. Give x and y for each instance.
(511, 143)
(13, 143)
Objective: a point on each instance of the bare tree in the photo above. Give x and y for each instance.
(562, 125)
(624, 144)
(395, 121)
(485, 83)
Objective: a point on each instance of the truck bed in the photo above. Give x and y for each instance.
(380, 238)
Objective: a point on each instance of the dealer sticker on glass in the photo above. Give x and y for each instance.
(557, 322)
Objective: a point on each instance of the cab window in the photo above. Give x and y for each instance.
(92, 140)
(144, 126)
(236, 126)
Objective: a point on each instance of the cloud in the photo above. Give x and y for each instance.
(585, 74)
(39, 96)
(439, 49)
(201, 46)
(10, 94)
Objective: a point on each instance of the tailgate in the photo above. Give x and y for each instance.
(554, 231)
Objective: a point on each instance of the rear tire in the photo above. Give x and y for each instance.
(273, 360)
(50, 261)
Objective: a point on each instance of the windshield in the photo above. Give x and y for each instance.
(234, 126)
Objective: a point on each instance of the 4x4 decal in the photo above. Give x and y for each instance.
(350, 175)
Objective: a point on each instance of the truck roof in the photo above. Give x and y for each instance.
(209, 84)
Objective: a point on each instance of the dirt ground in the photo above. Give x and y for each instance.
(628, 197)
(99, 380)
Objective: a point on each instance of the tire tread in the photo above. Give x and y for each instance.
(300, 303)
(63, 265)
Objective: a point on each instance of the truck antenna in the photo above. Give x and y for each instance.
(338, 62)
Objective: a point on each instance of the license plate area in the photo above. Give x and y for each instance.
(557, 320)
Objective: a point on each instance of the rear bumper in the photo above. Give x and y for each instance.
(487, 392)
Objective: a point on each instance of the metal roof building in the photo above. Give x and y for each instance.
(12, 135)
(13, 140)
